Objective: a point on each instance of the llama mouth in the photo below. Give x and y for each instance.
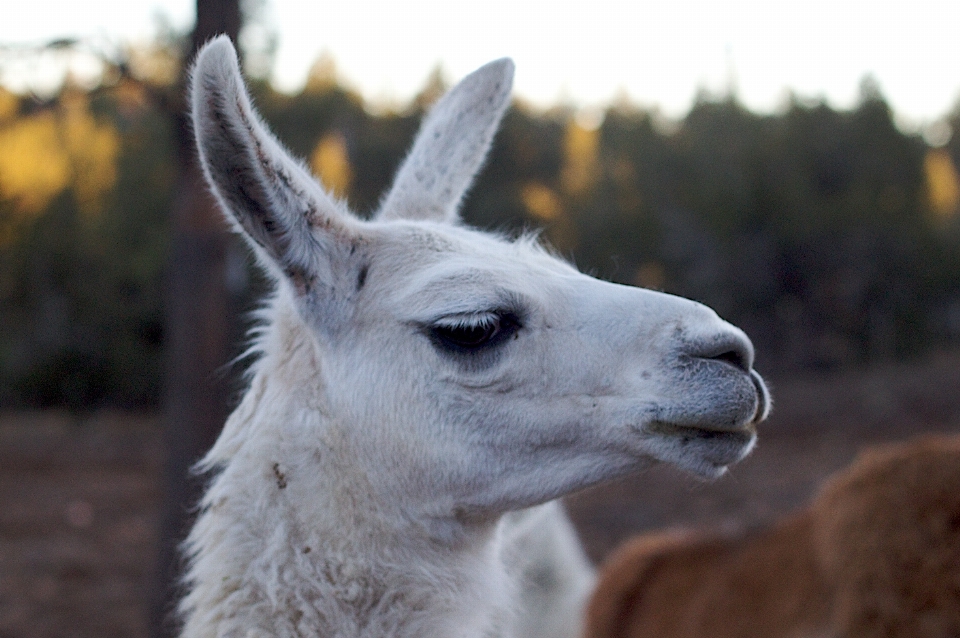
(704, 452)
(688, 434)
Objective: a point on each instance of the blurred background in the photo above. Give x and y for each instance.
(795, 168)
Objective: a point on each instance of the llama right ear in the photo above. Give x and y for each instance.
(293, 225)
(451, 146)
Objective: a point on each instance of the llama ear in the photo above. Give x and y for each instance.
(292, 224)
(451, 146)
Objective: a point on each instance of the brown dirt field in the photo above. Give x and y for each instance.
(79, 499)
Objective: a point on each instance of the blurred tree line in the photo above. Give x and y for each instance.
(831, 236)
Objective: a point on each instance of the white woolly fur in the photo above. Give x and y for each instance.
(424, 392)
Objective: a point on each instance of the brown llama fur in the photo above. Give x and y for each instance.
(876, 554)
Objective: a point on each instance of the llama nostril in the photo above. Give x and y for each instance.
(732, 350)
(735, 358)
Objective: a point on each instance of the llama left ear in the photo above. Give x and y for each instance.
(451, 146)
(298, 231)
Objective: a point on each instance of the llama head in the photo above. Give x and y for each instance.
(464, 372)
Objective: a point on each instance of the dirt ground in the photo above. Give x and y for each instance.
(79, 499)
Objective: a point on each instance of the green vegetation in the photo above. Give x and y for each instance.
(831, 237)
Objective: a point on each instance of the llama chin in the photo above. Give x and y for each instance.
(424, 391)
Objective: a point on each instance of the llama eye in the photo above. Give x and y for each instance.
(471, 336)
(468, 336)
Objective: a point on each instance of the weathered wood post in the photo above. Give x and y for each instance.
(197, 330)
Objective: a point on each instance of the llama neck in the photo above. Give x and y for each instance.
(285, 555)
(294, 539)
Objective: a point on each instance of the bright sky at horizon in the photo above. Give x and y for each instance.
(587, 54)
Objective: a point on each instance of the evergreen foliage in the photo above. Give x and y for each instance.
(831, 237)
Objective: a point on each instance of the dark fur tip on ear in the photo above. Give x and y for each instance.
(506, 68)
(215, 74)
(216, 65)
(216, 53)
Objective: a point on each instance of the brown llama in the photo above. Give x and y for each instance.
(876, 554)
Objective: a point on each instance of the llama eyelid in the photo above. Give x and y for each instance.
(497, 326)
(507, 316)
(467, 320)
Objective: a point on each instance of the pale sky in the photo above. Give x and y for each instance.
(585, 53)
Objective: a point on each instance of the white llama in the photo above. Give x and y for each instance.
(424, 391)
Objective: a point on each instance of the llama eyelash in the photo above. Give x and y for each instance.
(467, 320)
(474, 332)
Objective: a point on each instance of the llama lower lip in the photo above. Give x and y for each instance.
(703, 452)
(688, 433)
